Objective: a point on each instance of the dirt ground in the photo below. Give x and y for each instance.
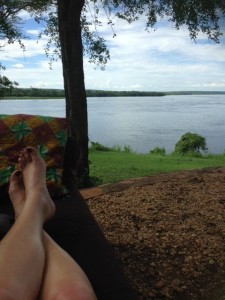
(169, 233)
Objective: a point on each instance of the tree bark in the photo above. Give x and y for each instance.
(69, 12)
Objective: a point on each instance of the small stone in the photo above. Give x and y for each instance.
(189, 258)
(176, 282)
(173, 252)
(160, 284)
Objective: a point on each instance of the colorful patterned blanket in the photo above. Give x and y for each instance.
(47, 134)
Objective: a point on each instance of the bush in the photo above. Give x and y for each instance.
(95, 146)
(158, 151)
(190, 143)
(126, 149)
(117, 148)
(99, 147)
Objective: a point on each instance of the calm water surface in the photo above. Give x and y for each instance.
(141, 122)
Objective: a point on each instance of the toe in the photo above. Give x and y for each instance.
(25, 156)
(16, 176)
(15, 180)
(32, 153)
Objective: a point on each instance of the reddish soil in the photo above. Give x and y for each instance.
(169, 233)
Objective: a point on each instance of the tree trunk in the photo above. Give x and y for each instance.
(69, 12)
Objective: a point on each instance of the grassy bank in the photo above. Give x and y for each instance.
(114, 166)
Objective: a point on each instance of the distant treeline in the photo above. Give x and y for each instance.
(99, 93)
(196, 93)
(33, 92)
(58, 93)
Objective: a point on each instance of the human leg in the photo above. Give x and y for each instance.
(22, 254)
(75, 230)
(63, 278)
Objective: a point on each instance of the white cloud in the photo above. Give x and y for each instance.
(41, 84)
(37, 76)
(34, 32)
(13, 52)
(165, 59)
(18, 66)
(135, 87)
(24, 15)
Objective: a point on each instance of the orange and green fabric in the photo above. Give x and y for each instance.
(47, 134)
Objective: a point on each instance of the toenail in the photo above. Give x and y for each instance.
(17, 173)
(29, 150)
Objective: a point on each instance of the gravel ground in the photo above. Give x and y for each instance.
(169, 234)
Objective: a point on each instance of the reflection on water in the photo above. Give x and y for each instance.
(141, 122)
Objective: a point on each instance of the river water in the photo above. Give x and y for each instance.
(141, 122)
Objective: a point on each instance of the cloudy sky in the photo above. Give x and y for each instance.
(162, 60)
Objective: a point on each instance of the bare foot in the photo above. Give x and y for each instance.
(17, 192)
(33, 171)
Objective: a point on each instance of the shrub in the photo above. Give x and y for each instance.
(190, 143)
(127, 149)
(158, 151)
(117, 148)
(95, 146)
(99, 147)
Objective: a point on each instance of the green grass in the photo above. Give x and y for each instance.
(114, 166)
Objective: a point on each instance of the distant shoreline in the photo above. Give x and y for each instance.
(33, 93)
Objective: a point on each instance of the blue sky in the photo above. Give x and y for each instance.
(162, 60)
